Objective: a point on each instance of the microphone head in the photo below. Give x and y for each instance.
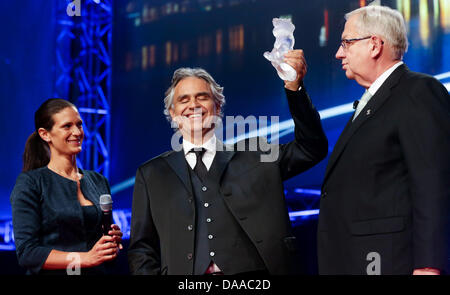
(106, 202)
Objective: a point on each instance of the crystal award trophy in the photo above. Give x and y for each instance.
(283, 30)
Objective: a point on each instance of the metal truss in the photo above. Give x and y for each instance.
(83, 72)
(83, 75)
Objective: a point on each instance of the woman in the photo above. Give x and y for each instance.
(55, 205)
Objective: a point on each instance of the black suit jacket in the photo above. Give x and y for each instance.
(386, 188)
(163, 201)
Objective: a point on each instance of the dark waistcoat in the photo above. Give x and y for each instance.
(218, 236)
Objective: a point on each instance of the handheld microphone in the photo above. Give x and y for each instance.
(106, 206)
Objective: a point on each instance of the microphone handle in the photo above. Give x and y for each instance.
(106, 221)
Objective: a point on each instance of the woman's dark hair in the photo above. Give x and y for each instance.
(37, 152)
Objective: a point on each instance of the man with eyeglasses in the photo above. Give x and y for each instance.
(385, 197)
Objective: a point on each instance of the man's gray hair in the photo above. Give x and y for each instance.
(385, 22)
(180, 74)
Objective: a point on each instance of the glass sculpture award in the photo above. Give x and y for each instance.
(283, 30)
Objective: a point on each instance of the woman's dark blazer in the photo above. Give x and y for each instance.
(47, 214)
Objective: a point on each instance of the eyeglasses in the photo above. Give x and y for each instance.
(346, 42)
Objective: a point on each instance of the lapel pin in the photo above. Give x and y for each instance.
(368, 112)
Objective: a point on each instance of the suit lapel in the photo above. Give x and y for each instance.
(177, 162)
(374, 104)
(221, 160)
(179, 165)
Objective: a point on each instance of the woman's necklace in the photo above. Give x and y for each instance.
(75, 177)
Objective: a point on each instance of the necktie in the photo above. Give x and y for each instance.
(200, 168)
(362, 103)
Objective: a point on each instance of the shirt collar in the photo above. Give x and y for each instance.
(209, 145)
(380, 80)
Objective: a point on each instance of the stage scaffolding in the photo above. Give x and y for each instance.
(83, 72)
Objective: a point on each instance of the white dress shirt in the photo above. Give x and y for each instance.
(208, 156)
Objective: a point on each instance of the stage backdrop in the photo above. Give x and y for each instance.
(228, 39)
(27, 56)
